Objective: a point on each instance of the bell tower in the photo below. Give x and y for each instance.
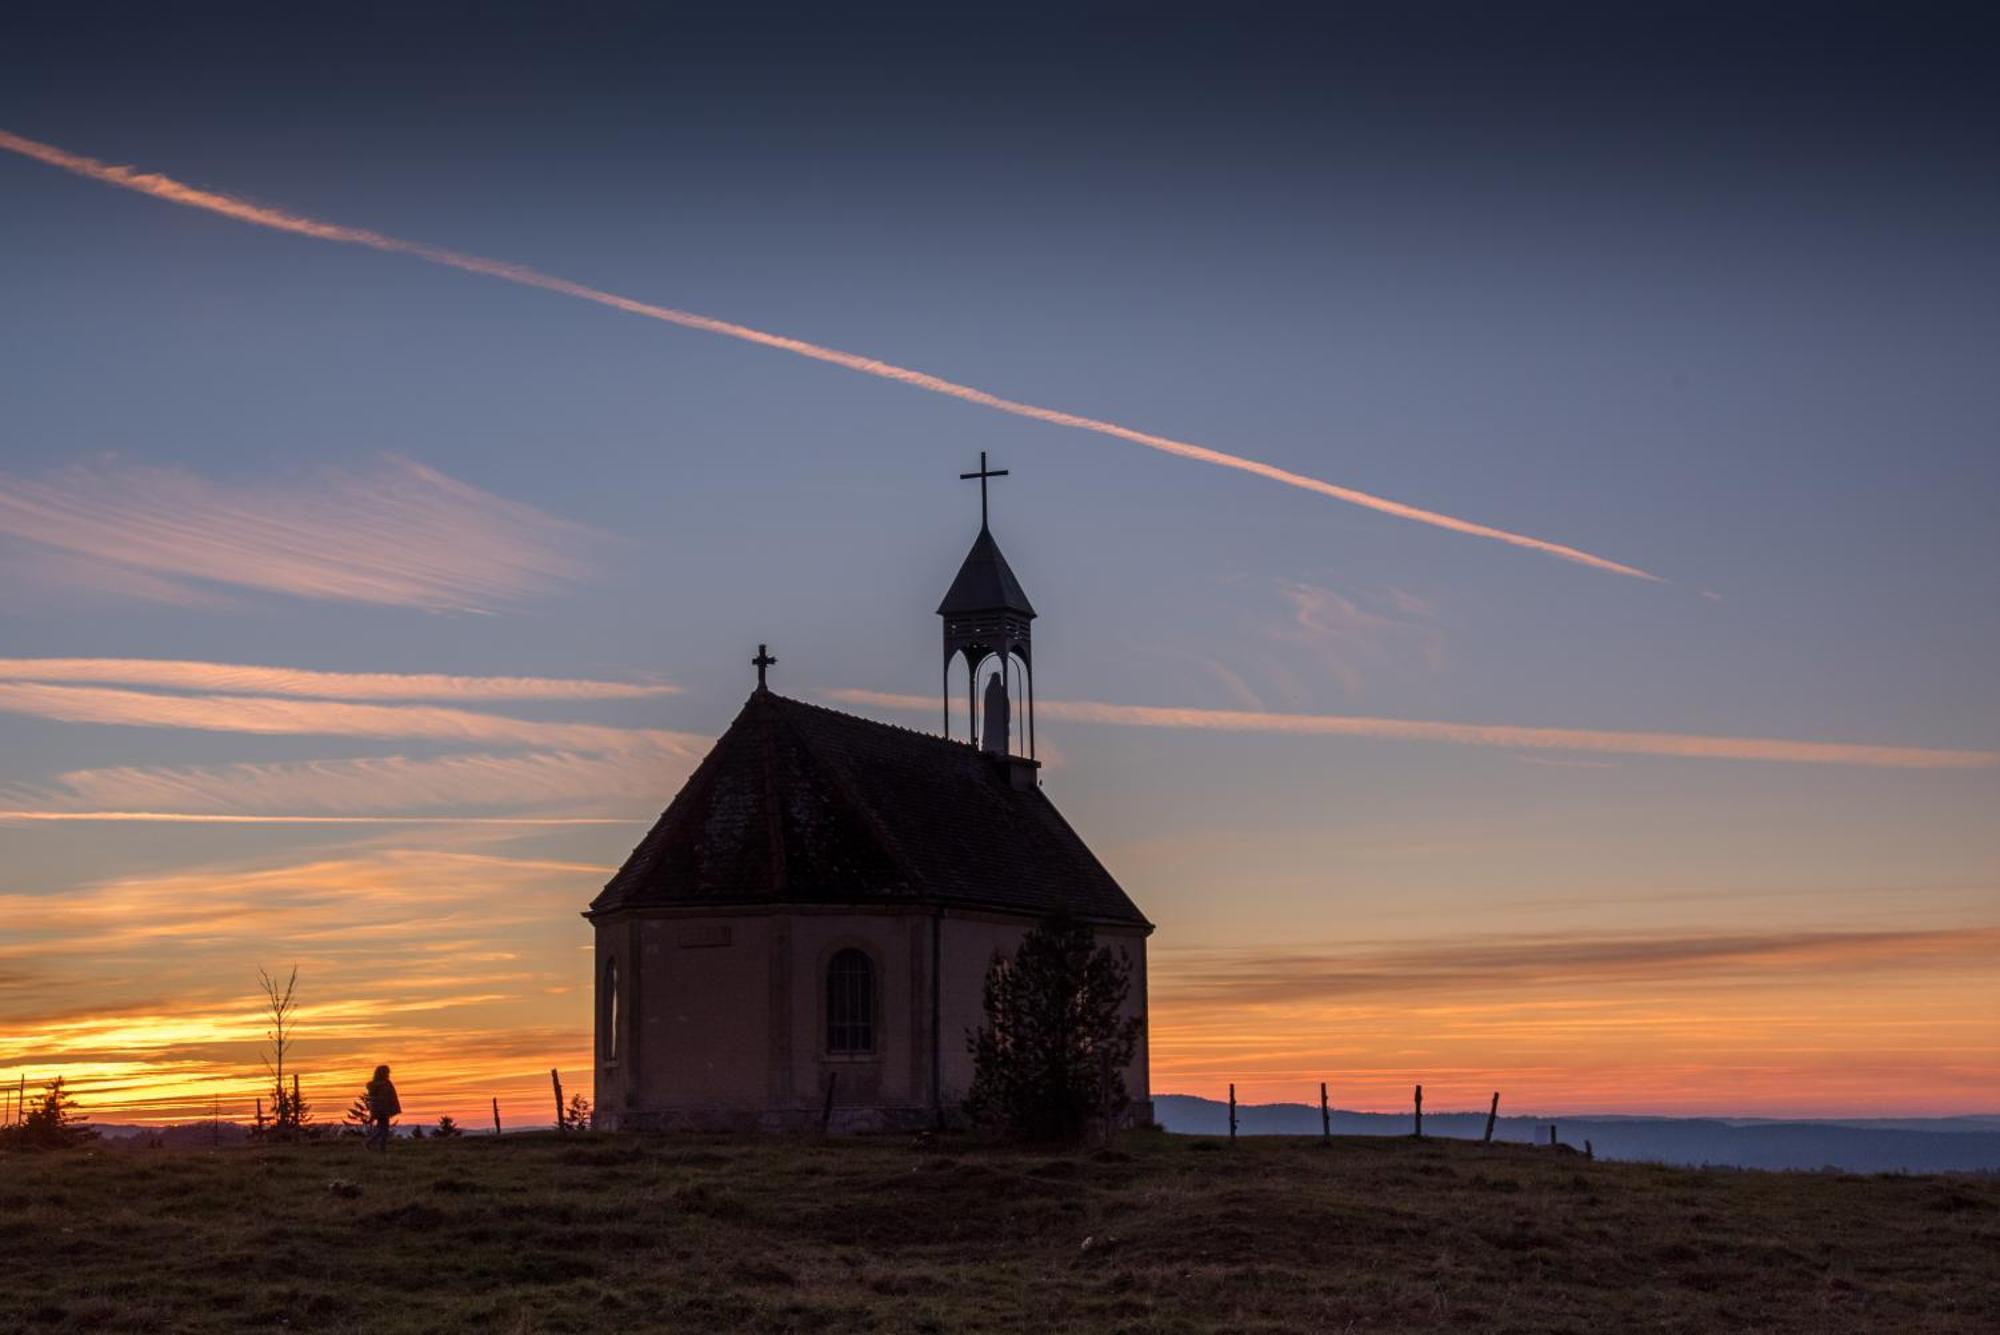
(987, 626)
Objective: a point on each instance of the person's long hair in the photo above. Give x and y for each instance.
(381, 1073)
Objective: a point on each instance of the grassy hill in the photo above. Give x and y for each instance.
(533, 1233)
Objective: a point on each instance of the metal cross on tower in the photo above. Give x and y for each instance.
(983, 473)
(760, 662)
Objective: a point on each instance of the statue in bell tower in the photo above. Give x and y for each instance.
(994, 739)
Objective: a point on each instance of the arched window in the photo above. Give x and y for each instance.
(608, 1012)
(850, 1002)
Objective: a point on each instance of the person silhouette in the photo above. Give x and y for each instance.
(382, 1105)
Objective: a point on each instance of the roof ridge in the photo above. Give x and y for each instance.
(875, 722)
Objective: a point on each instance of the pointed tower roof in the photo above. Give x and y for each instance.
(798, 804)
(985, 583)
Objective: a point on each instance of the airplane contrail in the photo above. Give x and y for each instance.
(165, 187)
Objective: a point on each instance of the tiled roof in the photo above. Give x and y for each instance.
(802, 804)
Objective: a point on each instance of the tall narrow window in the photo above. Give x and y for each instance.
(608, 1017)
(850, 1003)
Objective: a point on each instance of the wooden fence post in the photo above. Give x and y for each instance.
(496, 1116)
(1589, 1151)
(1492, 1115)
(1420, 1112)
(1552, 1135)
(1232, 1114)
(562, 1119)
(826, 1113)
(1325, 1116)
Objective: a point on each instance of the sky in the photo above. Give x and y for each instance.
(1509, 500)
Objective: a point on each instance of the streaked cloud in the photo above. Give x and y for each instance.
(246, 678)
(1367, 969)
(1554, 762)
(624, 783)
(166, 188)
(1506, 736)
(322, 718)
(351, 893)
(40, 578)
(195, 818)
(396, 533)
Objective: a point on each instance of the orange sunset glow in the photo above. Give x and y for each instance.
(464, 965)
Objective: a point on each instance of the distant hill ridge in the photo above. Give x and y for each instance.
(1864, 1145)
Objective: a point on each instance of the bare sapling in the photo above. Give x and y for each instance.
(289, 1113)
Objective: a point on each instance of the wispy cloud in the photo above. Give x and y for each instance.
(166, 188)
(353, 894)
(1354, 637)
(1554, 762)
(626, 782)
(1513, 962)
(197, 818)
(397, 533)
(246, 678)
(41, 578)
(1683, 745)
(322, 718)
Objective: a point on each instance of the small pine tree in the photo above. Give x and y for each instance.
(357, 1119)
(446, 1128)
(1052, 1054)
(52, 1124)
(417, 1131)
(576, 1117)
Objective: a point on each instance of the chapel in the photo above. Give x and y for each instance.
(803, 937)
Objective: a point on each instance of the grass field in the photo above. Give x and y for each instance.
(533, 1233)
